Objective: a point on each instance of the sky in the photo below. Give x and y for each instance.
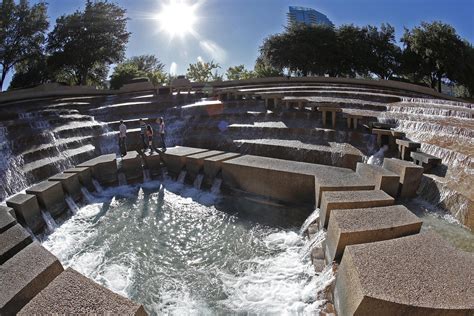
(231, 31)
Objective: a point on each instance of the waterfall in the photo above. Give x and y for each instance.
(314, 242)
(146, 175)
(198, 181)
(182, 176)
(122, 179)
(87, 195)
(72, 205)
(377, 158)
(31, 233)
(49, 220)
(216, 186)
(97, 186)
(310, 220)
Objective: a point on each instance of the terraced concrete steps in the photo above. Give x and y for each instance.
(13, 240)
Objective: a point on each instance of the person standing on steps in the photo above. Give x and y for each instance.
(149, 136)
(122, 138)
(161, 121)
(142, 134)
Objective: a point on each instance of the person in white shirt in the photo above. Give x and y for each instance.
(161, 121)
(123, 138)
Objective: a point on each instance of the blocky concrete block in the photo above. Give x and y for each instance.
(405, 147)
(351, 199)
(85, 176)
(104, 169)
(384, 179)
(70, 184)
(132, 167)
(410, 175)
(25, 275)
(195, 163)
(7, 218)
(27, 211)
(425, 160)
(415, 275)
(358, 226)
(175, 157)
(71, 293)
(213, 165)
(154, 164)
(50, 197)
(12, 241)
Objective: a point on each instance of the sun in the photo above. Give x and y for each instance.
(177, 18)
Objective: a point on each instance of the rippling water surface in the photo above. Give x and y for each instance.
(182, 251)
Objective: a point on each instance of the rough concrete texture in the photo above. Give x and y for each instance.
(71, 293)
(410, 175)
(284, 180)
(213, 165)
(153, 163)
(405, 147)
(195, 163)
(50, 196)
(85, 176)
(70, 183)
(384, 179)
(351, 199)
(104, 169)
(25, 275)
(415, 275)
(7, 219)
(358, 226)
(175, 157)
(12, 241)
(27, 211)
(132, 167)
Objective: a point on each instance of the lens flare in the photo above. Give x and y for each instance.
(177, 18)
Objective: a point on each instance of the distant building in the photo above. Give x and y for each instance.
(307, 16)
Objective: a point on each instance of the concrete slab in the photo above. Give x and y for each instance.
(425, 160)
(384, 179)
(25, 275)
(415, 275)
(213, 165)
(7, 220)
(195, 163)
(27, 211)
(363, 225)
(351, 199)
(153, 163)
(405, 147)
(175, 157)
(71, 293)
(12, 241)
(410, 175)
(85, 176)
(104, 169)
(132, 167)
(70, 183)
(50, 196)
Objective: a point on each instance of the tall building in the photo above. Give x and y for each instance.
(307, 16)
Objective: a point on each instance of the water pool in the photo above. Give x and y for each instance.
(178, 250)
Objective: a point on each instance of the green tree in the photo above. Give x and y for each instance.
(30, 72)
(352, 52)
(434, 51)
(203, 71)
(87, 42)
(22, 33)
(384, 56)
(262, 69)
(138, 66)
(239, 73)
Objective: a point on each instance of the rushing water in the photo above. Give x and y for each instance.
(178, 250)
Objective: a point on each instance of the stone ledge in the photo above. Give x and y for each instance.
(7, 218)
(175, 157)
(27, 211)
(410, 175)
(384, 179)
(71, 293)
(12, 241)
(50, 196)
(70, 184)
(351, 199)
(132, 167)
(195, 163)
(85, 176)
(415, 275)
(104, 168)
(357, 226)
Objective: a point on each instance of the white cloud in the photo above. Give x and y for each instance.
(173, 68)
(214, 51)
(200, 59)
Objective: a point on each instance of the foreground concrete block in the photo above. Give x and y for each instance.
(351, 199)
(25, 275)
(50, 196)
(213, 165)
(27, 211)
(132, 167)
(195, 163)
(175, 157)
(415, 275)
(104, 169)
(410, 175)
(7, 218)
(70, 184)
(153, 163)
(85, 176)
(71, 293)
(363, 225)
(384, 179)
(12, 241)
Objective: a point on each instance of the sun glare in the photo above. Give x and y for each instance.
(177, 18)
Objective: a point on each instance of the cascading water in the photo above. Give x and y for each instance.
(122, 179)
(49, 221)
(315, 241)
(87, 195)
(198, 181)
(377, 158)
(97, 186)
(313, 217)
(146, 175)
(73, 208)
(216, 185)
(181, 176)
